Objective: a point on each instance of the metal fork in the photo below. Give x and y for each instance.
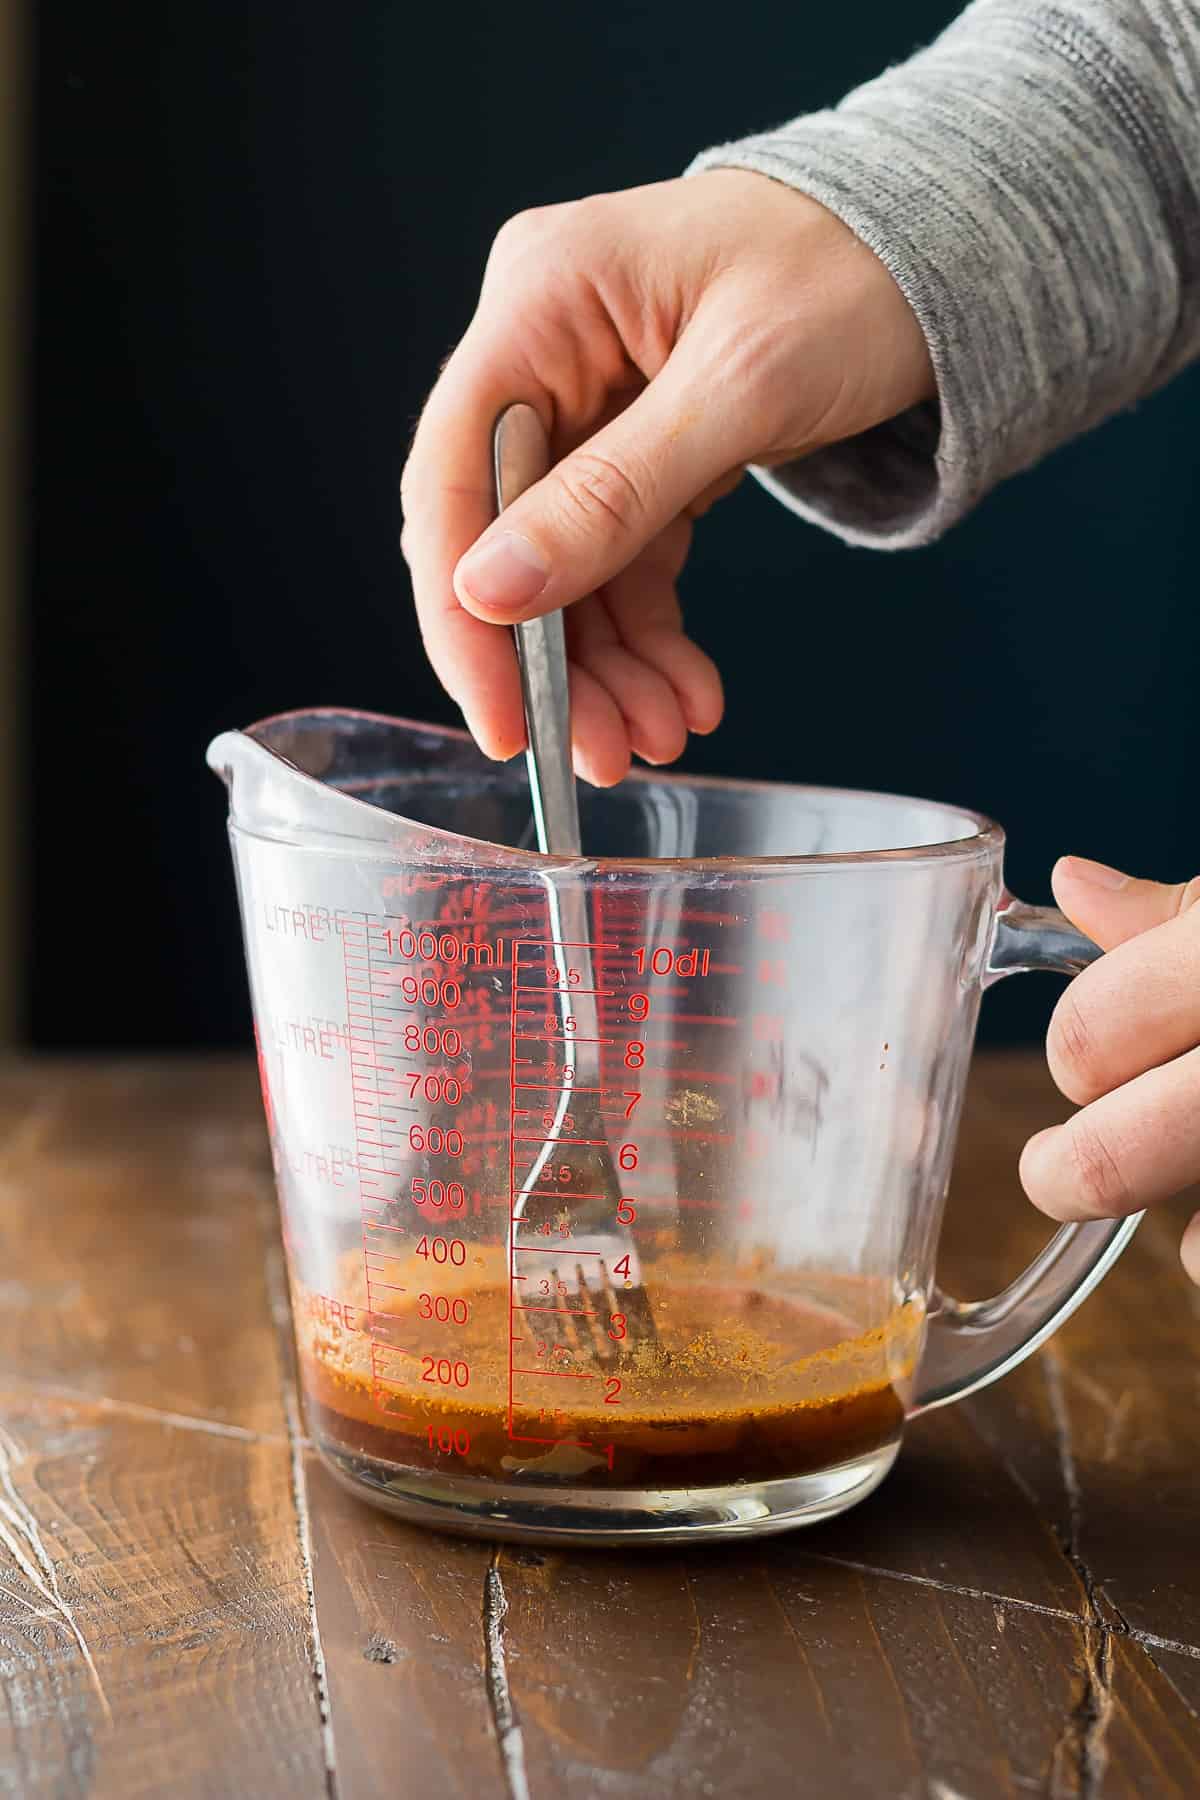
(588, 1312)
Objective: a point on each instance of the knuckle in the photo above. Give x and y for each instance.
(1072, 1050)
(534, 232)
(1100, 1181)
(599, 492)
(518, 231)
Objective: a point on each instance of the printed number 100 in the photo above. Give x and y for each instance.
(448, 1439)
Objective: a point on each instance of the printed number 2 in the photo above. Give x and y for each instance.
(612, 1391)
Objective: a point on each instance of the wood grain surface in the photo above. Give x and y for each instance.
(155, 1616)
(189, 1604)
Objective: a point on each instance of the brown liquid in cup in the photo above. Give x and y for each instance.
(743, 1384)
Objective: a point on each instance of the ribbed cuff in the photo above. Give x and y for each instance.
(900, 484)
(1013, 179)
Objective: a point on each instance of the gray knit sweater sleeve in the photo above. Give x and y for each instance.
(1032, 182)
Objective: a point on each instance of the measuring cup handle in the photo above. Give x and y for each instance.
(970, 1343)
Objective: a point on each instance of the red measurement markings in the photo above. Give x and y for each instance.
(381, 1393)
(558, 1037)
(559, 1087)
(550, 1137)
(716, 1077)
(417, 980)
(553, 944)
(360, 1021)
(663, 1201)
(577, 1312)
(563, 1087)
(532, 1001)
(564, 1443)
(641, 984)
(512, 1173)
(382, 1144)
(564, 988)
(565, 1192)
(559, 1250)
(559, 1374)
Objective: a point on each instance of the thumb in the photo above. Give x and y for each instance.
(1110, 906)
(603, 503)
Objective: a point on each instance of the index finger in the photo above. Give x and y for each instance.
(1136, 1008)
(448, 498)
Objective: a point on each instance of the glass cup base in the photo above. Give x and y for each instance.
(620, 1517)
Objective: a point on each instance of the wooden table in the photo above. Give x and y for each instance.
(188, 1605)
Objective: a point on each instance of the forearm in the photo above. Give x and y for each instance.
(1032, 182)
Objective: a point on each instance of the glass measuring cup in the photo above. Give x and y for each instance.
(767, 1058)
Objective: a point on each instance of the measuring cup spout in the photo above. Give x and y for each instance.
(343, 780)
(349, 778)
(224, 754)
(271, 795)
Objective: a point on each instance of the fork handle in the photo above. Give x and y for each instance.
(521, 456)
(542, 654)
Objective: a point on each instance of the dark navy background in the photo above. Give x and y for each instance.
(259, 229)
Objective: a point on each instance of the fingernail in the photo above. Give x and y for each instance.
(1095, 874)
(506, 572)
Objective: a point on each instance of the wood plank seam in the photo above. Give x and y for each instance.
(281, 1314)
(304, 1538)
(1088, 1726)
(504, 1720)
(1121, 1628)
(1052, 1372)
